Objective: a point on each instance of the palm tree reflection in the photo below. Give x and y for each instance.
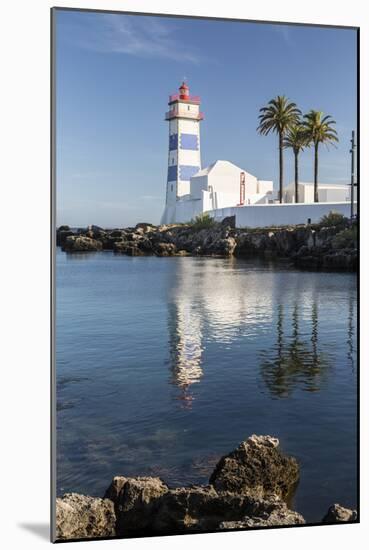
(350, 333)
(294, 361)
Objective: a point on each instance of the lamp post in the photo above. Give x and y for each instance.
(352, 151)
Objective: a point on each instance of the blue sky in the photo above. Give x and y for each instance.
(113, 77)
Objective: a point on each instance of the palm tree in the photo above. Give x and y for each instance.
(296, 140)
(279, 115)
(319, 129)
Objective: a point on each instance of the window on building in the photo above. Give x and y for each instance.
(171, 187)
(188, 107)
(172, 161)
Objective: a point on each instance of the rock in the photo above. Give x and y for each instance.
(95, 228)
(203, 509)
(134, 250)
(256, 468)
(61, 236)
(95, 232)
(120, 246)
(146, 506)
(339, 514)
(274, 514)
(115, 488)
(145, 245)
(309, 247)
(221, 247)
(146, 227)
(229, 221)
(245, 490)
(116, 234)
(79, 516)
(136, 502)
(81, 244)
(165, 249)
(345, 259)
(108, 242)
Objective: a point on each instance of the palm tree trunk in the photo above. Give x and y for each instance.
(316, 196)
(296, 176)
(280, 167)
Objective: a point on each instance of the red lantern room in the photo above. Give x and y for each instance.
(184, 91)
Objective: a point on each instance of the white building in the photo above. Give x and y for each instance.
(224, 189)
(227, 185)
(327, 192)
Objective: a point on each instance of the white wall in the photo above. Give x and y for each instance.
(280, 214)
(226, 179)
(264, 186)
(332, 193)
(197, 185)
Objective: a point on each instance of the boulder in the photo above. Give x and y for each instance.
(136, 502)
(197, 509)
(338, 514)
(95, 228)
(79, 516)
(81, 244)
(246, 490)
(165, 249)
(107, 242)
(229, 221)
(62, 235)
(345, 259)
(120, 246)
(116, 234)
(145, 245)
(256, 468)
(146, 506)
(146, 227)
(275, 513)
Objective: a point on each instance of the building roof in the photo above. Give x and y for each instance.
(219, 166)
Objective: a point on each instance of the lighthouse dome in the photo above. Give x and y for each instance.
(184, 91)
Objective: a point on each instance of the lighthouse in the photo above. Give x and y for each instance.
(184, 159)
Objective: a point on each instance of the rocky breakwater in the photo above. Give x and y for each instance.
(248, 488)
(326, 245)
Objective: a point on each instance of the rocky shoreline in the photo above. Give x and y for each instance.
(249, 488)
(331, 245)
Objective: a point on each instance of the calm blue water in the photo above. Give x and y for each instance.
(165, 364)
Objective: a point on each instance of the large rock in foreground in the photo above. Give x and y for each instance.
(274, 514)
(256, 468)
(79, 516)
(146, 506)
(338, 514)
(246, 488)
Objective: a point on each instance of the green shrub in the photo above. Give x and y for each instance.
(346, 238)
(203, 221)
(332, 219)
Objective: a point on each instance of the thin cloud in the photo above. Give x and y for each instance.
(130, 35)
(285, 32)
